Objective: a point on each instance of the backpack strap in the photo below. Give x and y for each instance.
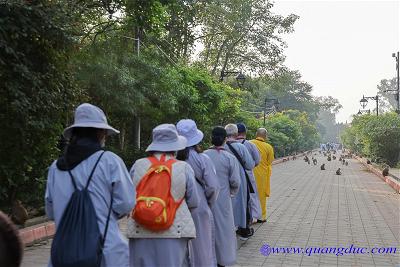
(73, 180)
(103, 241)
(94, 167)
(236, 154)
(154, 160)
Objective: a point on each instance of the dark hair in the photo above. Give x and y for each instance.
(197, 148)
(183, 154)
(11, 248)
(84, 132)
(218, 136)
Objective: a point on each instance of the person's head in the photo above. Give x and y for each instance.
(166, 140)
(94, 134)
(231, 130)
(242, 129)
(89, 122)
(11, 248)
(218, 136)
(188, 129)
(262, 133)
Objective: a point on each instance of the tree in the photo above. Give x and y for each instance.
(284, 133)
(387, 92)
(36, 93)
(375, 137)
(328, 128)
(242, 35)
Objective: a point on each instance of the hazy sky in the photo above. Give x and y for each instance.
(343, 48)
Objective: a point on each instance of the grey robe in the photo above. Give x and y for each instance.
(239, 202)
(110, 169)
(202, 248)
(154, 252)
(255, 207)
(228, 175)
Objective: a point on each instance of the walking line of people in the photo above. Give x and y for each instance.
(185, 206)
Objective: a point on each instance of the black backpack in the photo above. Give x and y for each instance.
(78, 241)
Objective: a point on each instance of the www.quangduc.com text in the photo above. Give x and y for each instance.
(338, 251)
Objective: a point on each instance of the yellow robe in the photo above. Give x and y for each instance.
(263, 172)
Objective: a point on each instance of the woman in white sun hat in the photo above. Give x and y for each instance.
(86, 141)
(203, 247)
(168, 247)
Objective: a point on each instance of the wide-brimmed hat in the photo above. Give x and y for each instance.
(188, 129)
(89, 116)
(166, 138)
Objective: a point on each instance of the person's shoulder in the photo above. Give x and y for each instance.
(111, 157)
(228, 155)
(239, 145)
(141, 161)
(269, 146)
(53, 165)
(183, 166)
(204, 156)
(181, 163)
(251, 144)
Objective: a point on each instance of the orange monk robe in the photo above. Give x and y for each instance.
(262, 172)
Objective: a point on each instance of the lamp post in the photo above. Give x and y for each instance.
(361, 111)
(240, 78)
(364, 102)
(275, 104)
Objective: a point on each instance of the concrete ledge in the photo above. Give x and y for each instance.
(277, 161)
(387, 179)
(37, 233)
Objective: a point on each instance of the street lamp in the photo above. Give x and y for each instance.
(275, 104)
(364, 102)
(361, 111)
(240, 78)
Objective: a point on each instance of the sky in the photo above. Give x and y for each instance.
(343, 48)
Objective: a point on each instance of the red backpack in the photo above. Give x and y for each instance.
(155, 207)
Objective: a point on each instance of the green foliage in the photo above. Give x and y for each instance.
(35, 93)
(56, 53)
(376, 137)
(281, 124)
(245, 35)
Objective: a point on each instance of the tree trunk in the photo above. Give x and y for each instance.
(218, 57)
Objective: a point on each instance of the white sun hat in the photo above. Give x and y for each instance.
(89, 116)
(188, 129)
(166, 138)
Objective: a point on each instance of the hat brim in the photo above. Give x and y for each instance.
(195, 139)
(110, 130)
(166, 147)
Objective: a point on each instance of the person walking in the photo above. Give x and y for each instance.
(228, 175)
(241, 202)
(255, 208)
(11, 247)
(264, 170)
(161, 223)
(202, 248)
(84, 162)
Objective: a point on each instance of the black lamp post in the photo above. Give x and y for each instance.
(364, 102)
(240, 78)
(361, 111)
(275, 103)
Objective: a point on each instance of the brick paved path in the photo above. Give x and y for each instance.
(313, 208)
